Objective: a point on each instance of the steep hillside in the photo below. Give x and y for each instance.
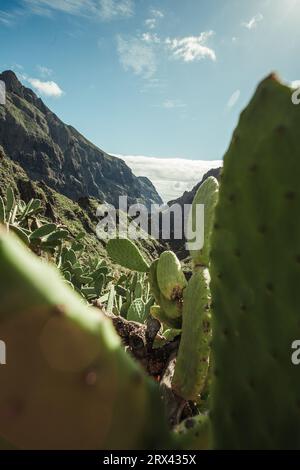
(58, 155)
(77, 216)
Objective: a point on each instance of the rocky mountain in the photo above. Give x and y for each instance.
(188, 196)
(56, 154)
(41, 157)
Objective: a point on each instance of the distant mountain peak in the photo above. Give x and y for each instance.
(11, 81)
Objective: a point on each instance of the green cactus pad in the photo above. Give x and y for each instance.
(10, 200)
(157, 312)
(153, 280)
(137, 311)
(194, 433)
(193, 355)
(255, 270)
(68, 383)
(173, 308)
(43, 231)
(207, 195)
(170, 277)
(2, 211)
(124, 252)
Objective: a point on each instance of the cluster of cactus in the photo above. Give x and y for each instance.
(133, 297)
(89, 277)
(125, 253)
(20, 218)
(179, 305)
(243, 294)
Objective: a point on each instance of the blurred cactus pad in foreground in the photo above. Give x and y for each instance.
(126, 352)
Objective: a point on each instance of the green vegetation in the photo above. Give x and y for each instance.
(230, 325)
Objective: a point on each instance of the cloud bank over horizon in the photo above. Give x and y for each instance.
(170, 176)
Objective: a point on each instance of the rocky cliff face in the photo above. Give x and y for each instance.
(56, 154)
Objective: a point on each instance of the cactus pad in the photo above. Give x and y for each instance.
(255, 270)
(137, 311)
(170, 278)
(194, 433)
(157, 312)
(207, 195)
(68, 383)
(193, 355)
(126, 253)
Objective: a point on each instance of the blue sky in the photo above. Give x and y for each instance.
(155, 78)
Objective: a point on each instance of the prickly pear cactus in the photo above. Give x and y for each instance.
(157, 312)
(126, 253)
(137, 311)
(170, 311)
(193, 356)
(207, 195)
(255, 270)
(66, 367)
(170, 278)
(194, 433)
(173, 308)
(153, 280)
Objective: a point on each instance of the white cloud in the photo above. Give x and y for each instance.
(150, 38)
(234, 99)
(252, 24)
(192, 47)
(46, 88)
(112, 8)
(136, 55)
(6, 19)
(139, 53)
(44, 71)
(155, 16)
(103, 9)
(156, 13)
(158, 84)
(295, 84)
(170, 176)
(171, 104)
(151, 23)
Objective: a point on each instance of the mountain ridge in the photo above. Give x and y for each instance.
(56, 153)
